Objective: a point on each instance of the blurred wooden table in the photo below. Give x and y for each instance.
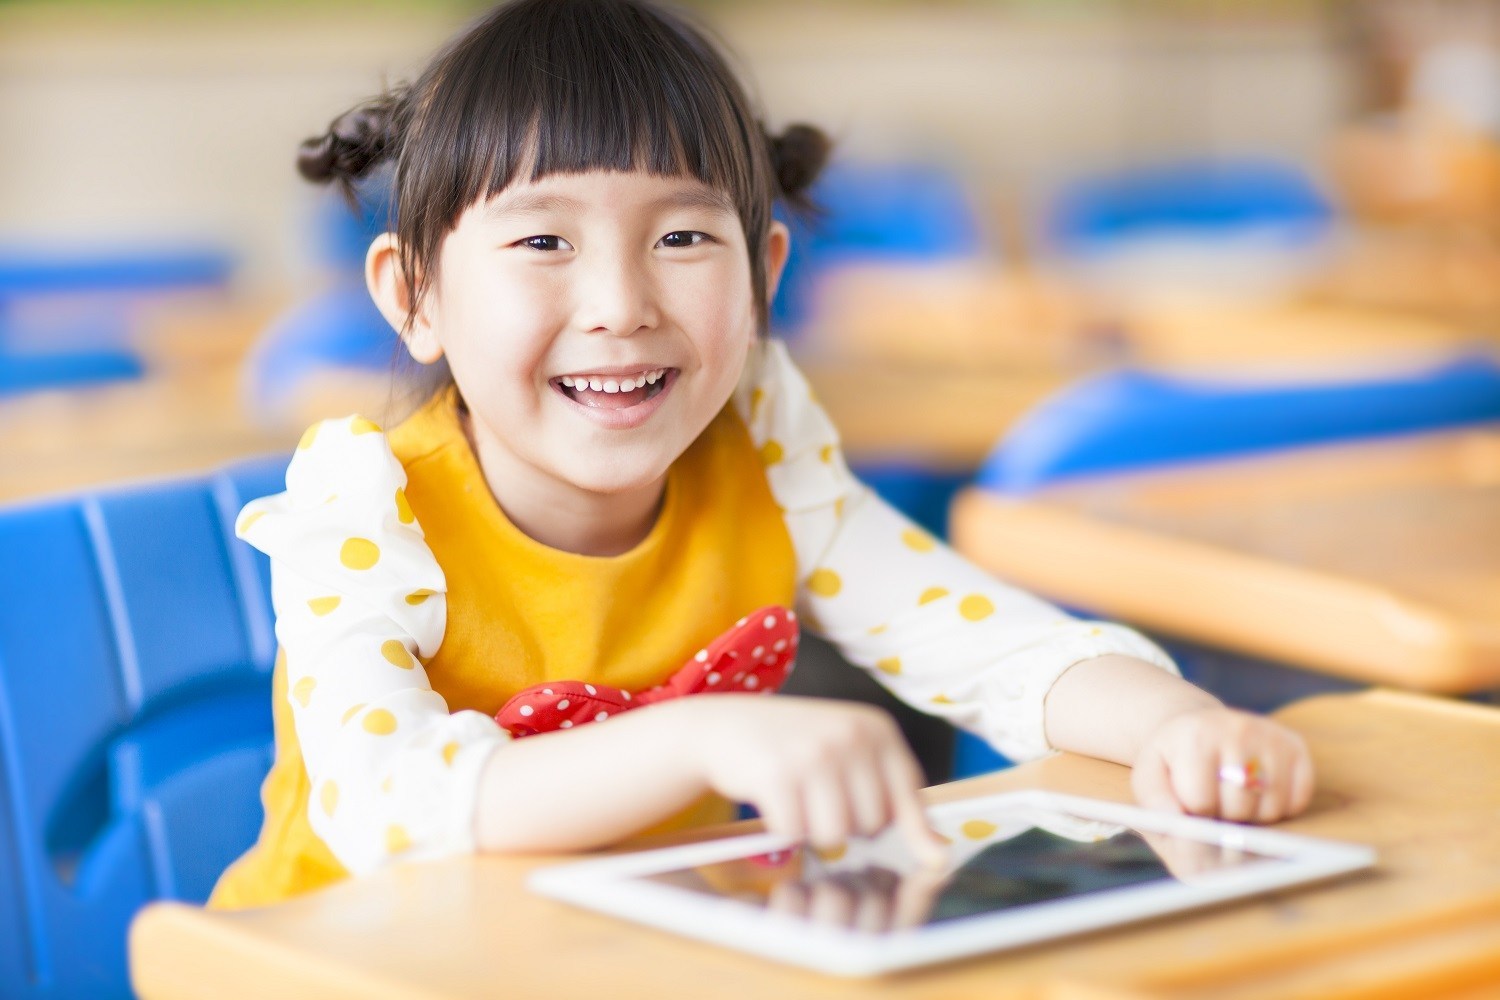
(1411, 775)
(1377, 561)
(185, 415)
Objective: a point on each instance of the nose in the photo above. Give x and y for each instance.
(618, 296)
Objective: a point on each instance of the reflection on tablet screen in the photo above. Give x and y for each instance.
(861, 890)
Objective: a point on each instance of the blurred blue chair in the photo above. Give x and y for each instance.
(91, 348)
(1130, 419)
(887, 212)
(28, 371)
(1200, 198)
(31, 271)
(1124, 420)
(136, 647)
(337, 328)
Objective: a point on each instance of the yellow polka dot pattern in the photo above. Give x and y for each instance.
(770, 453)
(450, 750)
(380, 722)
(825, 454)
(385, 786)
(978, 829)
(890, 665)
(352, 712)
(403, 508)
(418, 596)
(396, 839)
(364, 425)
(932, 594)
(976, 607)
(941, 699)
(303, 689)
(824, 583)
(328, 798)
(250, 519)
(918, 541)
(308, 437)
(757, 396)
(321, 606)
(877, 629)
(396, 655)
(359, 553)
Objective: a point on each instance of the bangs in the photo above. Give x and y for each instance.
(570, 87)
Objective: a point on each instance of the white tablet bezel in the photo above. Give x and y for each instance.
(610, 885)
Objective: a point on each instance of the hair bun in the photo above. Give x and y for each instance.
(355, 141)
(798, 155)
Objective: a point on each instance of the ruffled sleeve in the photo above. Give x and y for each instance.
(937, 631)
(360, 602)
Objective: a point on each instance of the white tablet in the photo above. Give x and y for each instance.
(1024, 867)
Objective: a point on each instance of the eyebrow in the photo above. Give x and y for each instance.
(536, 203)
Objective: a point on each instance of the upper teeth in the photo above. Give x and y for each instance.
(600, 383)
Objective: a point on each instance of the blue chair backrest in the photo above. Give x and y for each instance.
(1131, 419)
(1200, 198)
(908, 212)
(136, 646)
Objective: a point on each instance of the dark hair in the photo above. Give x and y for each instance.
(564, 86)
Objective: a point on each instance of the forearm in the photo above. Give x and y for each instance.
(590, 786)
(1109, 706)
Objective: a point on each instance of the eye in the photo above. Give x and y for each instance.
(682, 239)
(546, 243)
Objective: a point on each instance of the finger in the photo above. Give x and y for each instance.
(869, 799)
(903, 780)
(1153, 784)
(1303, 782)
(1239, 773)
(914, 896)
(1194, 776)
(782, 815)
(825, 803)
(1276, 797)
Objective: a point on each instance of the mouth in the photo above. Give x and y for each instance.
(619, 390)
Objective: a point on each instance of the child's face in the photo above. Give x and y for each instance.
(556, 292)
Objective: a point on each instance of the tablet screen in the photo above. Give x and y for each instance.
(871, 887)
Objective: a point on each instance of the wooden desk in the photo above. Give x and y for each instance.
(1413, 776)
(1377, 561)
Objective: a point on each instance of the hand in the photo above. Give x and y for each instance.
(1194, 763)
(817, 770)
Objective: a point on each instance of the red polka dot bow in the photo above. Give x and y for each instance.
(755, 656)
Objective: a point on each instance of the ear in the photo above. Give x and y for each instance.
(392, 294)
(778, 245)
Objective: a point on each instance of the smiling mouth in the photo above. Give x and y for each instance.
(614, 392)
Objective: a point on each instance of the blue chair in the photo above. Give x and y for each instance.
(28, 271)
(888, 212)
(1204, 199)
(1131, 419)
(136, 647)
(28, 371)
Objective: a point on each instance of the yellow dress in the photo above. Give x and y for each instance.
(520, 613)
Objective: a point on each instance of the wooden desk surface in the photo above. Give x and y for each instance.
(1378, 561)
(1411, 775)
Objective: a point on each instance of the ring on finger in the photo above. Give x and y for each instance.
(1250, 776)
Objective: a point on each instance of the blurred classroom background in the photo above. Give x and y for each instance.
(1024, 193)
(1192, 308)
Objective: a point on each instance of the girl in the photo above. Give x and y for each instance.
(621, 467)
